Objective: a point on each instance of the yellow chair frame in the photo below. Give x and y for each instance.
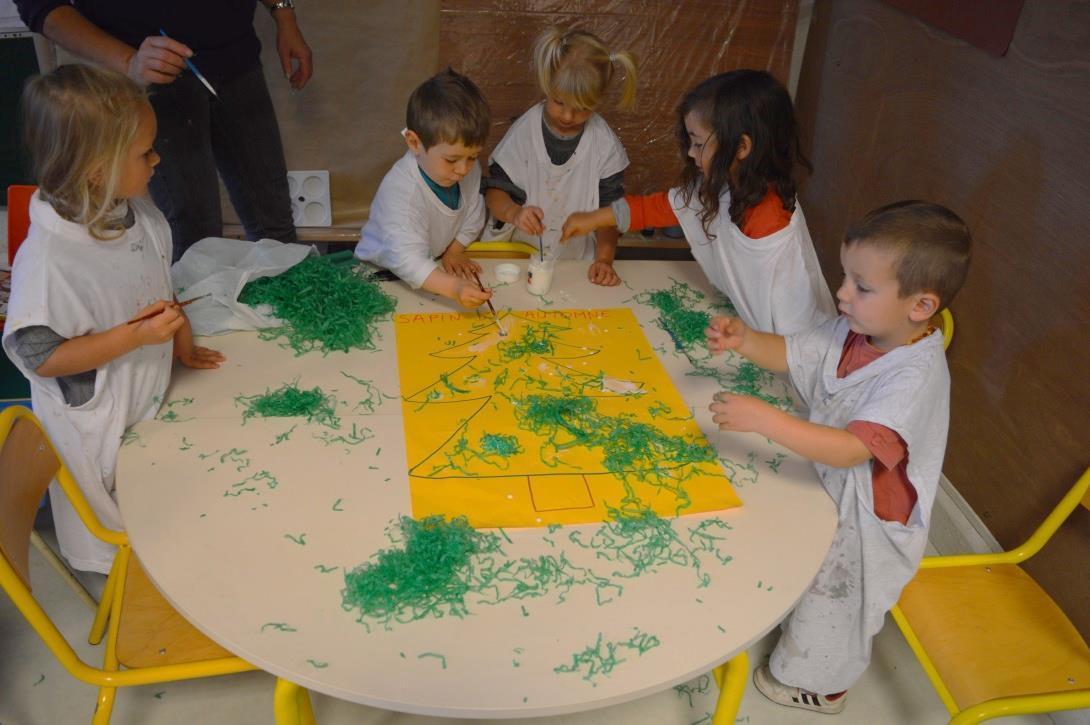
(501, 250)
(731, 676)
(23, 480)
(1004, 706)
(947, 326)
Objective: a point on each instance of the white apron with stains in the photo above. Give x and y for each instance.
(775, 282)
(408, 226)
(826, 641)
(558, 190)
(74, 284)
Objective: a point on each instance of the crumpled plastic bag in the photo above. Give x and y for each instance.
(220, 268)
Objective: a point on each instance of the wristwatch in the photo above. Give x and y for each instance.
(281, 5)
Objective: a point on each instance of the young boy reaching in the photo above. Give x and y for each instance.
(878, 389)
(429, 204)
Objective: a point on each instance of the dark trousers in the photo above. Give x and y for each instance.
(237, 135)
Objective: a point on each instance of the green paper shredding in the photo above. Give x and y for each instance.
(421, 578)
(438, 567)
(629, 447)
(686, 325)
(289, 401)
(325, 303)
(601, 658)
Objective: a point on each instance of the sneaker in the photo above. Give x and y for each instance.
(782, 694)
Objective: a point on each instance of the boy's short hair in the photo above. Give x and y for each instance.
(931, 243)
(448, 108)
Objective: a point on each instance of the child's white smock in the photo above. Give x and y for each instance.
(826, 641)
(558, 190)
(775, 282)
(409, 226)
(67, 280)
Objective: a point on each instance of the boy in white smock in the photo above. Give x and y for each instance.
(97, 256)
(878, 389)
(429, 205)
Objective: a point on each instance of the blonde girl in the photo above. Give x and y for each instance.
(97, 255)
(561, 156)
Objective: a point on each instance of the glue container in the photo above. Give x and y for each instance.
(539, 275)
(507, 272)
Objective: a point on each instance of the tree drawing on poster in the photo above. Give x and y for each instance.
(569, 413)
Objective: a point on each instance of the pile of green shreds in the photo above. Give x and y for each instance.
(289, 401)
(324, 302)
(438, 567)
(679, 318)
(628, 446)
(424, 577)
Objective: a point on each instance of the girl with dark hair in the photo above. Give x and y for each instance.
(737, 202)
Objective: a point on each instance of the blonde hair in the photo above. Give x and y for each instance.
(578, 67)
(79, 121)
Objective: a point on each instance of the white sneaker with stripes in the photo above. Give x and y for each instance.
(790, 696)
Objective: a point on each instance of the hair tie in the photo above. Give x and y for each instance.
(612, 57)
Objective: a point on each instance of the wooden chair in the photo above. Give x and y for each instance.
(991, 640)
(18, 216)
(143, 632)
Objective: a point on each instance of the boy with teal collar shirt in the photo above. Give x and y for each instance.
(428, 206)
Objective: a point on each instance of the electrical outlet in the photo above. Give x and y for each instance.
(310, 198)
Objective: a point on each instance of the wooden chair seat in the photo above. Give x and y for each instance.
(152, 632)
(991, 631)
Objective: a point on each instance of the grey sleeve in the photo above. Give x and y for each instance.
(610, 189)
(498, 179)
(36, 343)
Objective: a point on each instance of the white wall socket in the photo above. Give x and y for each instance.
(310, 198)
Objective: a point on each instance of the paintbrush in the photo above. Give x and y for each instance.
(190, 66)
(179, 305)
(495, 315)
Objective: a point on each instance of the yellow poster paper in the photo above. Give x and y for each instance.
(570, 413)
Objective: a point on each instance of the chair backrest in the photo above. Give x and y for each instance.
(946, 320)
(501, 250)
(18, 216)
(27, 464)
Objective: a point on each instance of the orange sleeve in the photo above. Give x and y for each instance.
(767, 217)
(652, 210)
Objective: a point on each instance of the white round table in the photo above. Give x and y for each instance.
(249, 537)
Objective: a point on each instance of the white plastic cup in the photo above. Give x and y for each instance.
(539, 275)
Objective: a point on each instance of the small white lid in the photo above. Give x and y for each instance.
(507, 272)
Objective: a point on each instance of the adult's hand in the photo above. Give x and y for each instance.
(159, 59)
(296, 59)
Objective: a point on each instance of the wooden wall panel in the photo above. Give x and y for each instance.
(894, 109)
(677, 45)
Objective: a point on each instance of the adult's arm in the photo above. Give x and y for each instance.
(158, 59)
(291, 47)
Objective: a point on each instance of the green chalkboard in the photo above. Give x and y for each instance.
(17, 63)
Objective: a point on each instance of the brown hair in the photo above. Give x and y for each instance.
(578, 67)
(78, 123)
(448, 108)
(732, 104)
(932, 246)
